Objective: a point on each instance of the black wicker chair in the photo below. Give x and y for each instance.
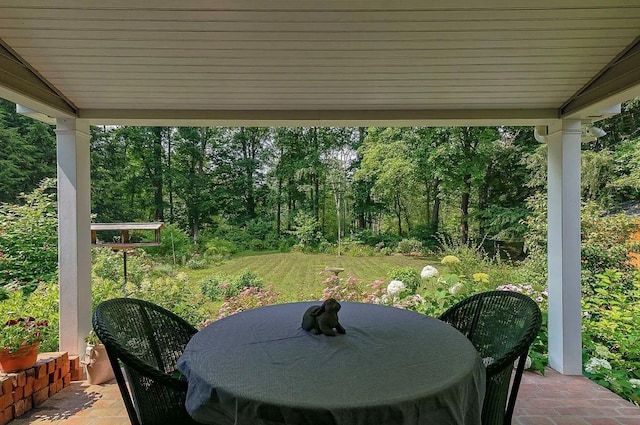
(148, 340)
(501, 325)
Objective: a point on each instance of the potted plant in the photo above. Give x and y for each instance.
(20, 341)
(98, 366)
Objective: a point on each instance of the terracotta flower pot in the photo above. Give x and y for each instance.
(23, 358)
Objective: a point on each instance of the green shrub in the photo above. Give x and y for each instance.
(220, 247)
(247, 279)
(285, 244)
(175, 244)
(105, 289)
(357, 249)
(408, 246)
(248, 298)
(386, 251)
(611, 331)
(109, 264)
(408, 275)
(256, 245)
(380, 239)
(307, 231)
(29, 238)
(196, 262)
(218, 288)
(327, 248)
(174, 293)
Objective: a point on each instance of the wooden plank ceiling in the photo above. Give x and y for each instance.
(315, 55)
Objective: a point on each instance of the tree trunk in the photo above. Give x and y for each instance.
(279, 208)
(464, 211)
(157, 179)
(398, 209)
(170, 175)
(483, 200)
(435, 217)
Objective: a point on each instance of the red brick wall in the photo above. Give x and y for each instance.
(24, 390)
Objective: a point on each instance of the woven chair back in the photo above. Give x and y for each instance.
(147, 340)
(501, 325)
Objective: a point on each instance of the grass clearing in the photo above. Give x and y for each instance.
(297, 276)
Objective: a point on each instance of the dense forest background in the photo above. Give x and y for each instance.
(267, 187)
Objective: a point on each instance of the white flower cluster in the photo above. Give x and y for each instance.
(486, 361)
(527, 363)
(394, 288)
(429, 271)
(595, 364)
(635, 383)
(456, 288)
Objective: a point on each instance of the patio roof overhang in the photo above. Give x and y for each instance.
(554, 63)
(320, 62)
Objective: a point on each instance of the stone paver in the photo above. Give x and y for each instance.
(552, 399)
(555, 399)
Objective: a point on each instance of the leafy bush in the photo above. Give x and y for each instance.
(29, 238)
(357, 249)
(103, 289)
(175, 244)
(173, 293)
(284, 245)
(109, 264)
(380, 239)
(220, 247)
(611, 331)
(196, 262)
(407, 275)
(255, 235)
(247, 279)
(248, 298)
(307, 231)
(217, 288)
(408, 246)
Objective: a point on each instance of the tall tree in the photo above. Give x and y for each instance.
(386, 161)
(27, 153)
(193, 180)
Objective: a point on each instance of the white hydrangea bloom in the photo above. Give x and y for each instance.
(595, 364)
(486, 361)
(456, 289)
(635, 383)
(527, 363)
(394, 288)
(602, 351)
(429, 271)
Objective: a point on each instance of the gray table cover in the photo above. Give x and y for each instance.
(393, 367)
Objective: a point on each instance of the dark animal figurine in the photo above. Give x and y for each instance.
(323, 318)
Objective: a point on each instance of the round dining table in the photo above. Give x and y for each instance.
(391, 367)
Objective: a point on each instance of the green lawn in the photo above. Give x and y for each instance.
(299, 276)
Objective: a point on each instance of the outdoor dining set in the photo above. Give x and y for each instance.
(384, 365)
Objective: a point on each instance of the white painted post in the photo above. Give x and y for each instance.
(74, 233)
(563, 238)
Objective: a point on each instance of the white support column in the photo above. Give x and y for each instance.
(565, 340)
(74, 233)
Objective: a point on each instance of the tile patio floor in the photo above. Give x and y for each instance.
(552, 399)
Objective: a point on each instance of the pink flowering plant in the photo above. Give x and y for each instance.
(20, 331)
(250, 297)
